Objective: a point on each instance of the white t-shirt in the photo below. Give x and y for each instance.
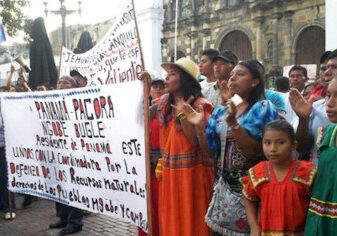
(204, 83)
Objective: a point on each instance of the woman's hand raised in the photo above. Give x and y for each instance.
(145, 76)
(179, 104)
(224, 92)
(195, 117)
(230, 117)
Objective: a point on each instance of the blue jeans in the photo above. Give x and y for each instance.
(71, 215)
(4, 202)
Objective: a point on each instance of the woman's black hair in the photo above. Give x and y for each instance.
(257, 71)
(281, 125)
(189, 86)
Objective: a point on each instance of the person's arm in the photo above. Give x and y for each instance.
(303, 135)
(251, 212)
(24, 84)
(224, 91)
(187, 126)
(146, 78)
(189, 132)
(302, 109)
(244, 140)
(153, 110)
(10, 77)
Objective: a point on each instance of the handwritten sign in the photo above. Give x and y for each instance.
(80, 147)
(116, 59)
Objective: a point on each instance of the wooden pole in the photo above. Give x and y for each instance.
(176, 31)
(10, 204)
(147, 122)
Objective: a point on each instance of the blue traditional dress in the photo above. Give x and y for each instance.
(236, 163)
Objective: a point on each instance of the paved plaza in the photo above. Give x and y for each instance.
(35, 219)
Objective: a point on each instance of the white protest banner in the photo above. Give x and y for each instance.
(80, 147)
(115, 59)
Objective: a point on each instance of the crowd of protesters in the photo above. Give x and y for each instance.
(265, 147)
(274, 149)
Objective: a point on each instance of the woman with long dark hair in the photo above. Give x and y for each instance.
(242, 148)
(187, 173)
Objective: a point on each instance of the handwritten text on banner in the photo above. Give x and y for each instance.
(81, 147)
(115, 59)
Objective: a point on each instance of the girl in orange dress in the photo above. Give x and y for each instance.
(282, 185)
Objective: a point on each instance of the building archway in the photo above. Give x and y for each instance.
(239, 43)
(310, 45)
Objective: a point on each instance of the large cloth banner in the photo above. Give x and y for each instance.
(115, 59)
(80, 147)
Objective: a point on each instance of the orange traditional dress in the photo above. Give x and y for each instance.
(187, 177)
(284, 205)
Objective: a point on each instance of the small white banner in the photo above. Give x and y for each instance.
(115, 59)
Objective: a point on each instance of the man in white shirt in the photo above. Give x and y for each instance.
(313, 116)
(223, 65)
(206, 67)
(297, 78)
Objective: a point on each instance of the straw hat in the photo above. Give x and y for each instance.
(185, 64)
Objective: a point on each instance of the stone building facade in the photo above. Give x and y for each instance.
(275, 32)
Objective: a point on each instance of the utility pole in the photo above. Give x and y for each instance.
(63, 12)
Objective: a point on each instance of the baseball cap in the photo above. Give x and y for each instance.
(75, 72)
(227, 55)
(157, 80)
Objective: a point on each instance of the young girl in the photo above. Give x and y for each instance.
(282, 185)
(322, 216)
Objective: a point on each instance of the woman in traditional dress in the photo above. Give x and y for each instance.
(187, 173)
(242, 147)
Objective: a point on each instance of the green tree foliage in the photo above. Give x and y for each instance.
(13, 18)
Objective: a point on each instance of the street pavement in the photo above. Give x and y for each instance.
(34, 220)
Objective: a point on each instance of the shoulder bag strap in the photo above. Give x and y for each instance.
(223, 136)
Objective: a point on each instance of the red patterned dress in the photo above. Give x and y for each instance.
(284, 204)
